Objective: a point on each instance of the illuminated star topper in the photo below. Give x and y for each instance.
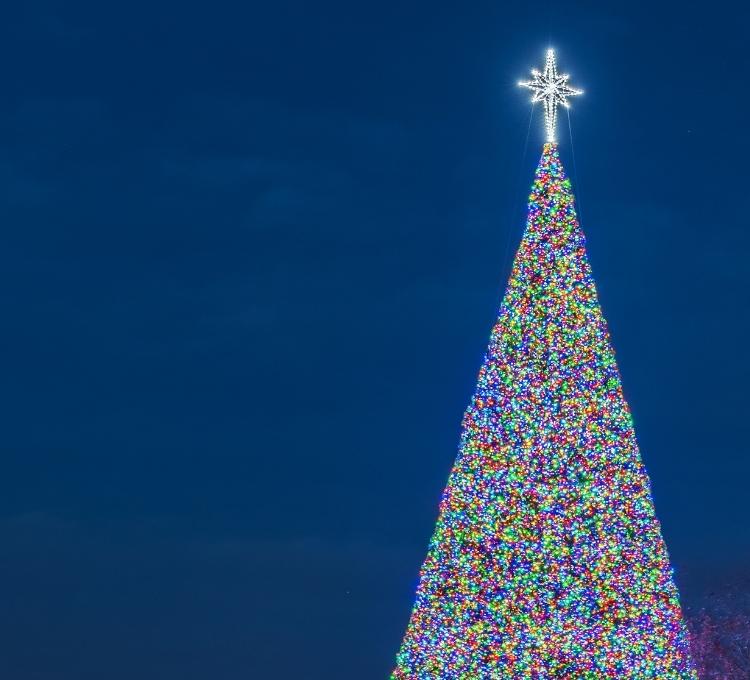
(552, 89)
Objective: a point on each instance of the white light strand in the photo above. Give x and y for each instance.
(552, 89)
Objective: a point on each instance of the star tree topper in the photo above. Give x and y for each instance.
(552, 89)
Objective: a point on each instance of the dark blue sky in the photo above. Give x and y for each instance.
(250, 260)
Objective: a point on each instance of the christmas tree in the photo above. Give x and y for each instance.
(547, 560)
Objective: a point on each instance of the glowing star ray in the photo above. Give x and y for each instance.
(552, 89)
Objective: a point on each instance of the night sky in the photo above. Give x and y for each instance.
(250, 259)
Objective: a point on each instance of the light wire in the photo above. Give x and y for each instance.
(577, 188)
(516, 198)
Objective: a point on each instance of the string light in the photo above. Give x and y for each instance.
(547, 559)
(552, 89)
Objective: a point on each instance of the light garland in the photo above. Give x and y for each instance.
(552, 89)
(547, 560)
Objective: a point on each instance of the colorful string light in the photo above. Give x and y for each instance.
(547, 560)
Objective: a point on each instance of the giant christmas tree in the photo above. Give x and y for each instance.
(547, 560)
